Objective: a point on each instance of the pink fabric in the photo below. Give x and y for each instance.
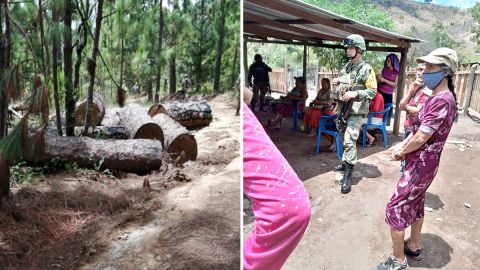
(279, 201)
(391, 76)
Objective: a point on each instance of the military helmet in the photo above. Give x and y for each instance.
(355, 40)
(257, 57)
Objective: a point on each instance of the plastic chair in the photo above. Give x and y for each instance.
(297, 111)
(387, 107)
(327, 126)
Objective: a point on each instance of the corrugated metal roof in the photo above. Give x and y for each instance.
(297, 20)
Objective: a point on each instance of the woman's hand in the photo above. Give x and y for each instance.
(396, 152)
(398, 155)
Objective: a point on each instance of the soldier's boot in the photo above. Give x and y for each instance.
(339, 167)
(262, 104)
(347, 178)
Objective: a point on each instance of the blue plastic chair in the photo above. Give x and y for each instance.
(297, 111)
(327, 126)
(387, 107)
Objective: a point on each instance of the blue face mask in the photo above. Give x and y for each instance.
(432, 80)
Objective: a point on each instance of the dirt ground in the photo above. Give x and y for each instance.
(349, 232)
(187, 219)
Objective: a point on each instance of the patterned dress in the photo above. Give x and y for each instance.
(280, 202)
(407, 203)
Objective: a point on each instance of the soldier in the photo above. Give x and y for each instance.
(185, 83)
(353, 90)
(259, 71)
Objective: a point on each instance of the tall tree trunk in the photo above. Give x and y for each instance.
(120, 97)
(92, 62)
(173, 71)
(55, 55)
(159, 63)
(79, 49)
(149, 87)
(218, 60)
(173, 77)
(67, 69)
(45, 57)
(200, 56)
(5, 55)
(234, 66)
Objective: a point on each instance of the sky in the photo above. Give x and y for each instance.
(457, 3)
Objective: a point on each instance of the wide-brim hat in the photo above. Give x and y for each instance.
(441, 56)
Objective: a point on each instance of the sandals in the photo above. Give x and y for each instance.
(416, 255)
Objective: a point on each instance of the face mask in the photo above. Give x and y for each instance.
(432, 80)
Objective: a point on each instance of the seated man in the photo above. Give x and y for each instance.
(376, 105)
(288, 104)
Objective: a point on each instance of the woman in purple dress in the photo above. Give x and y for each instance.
(388, 80)
(421, 150)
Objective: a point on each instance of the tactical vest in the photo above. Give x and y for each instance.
(352, 80)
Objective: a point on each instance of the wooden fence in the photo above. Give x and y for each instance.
(466, 80)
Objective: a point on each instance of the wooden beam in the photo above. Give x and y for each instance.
(400, 88)
(281, 25)
(347, 27)
(245, 63)
(384, 49)
(267, 32)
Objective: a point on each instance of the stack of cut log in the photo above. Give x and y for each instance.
(134, 139)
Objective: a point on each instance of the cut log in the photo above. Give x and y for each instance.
(138, 124)
(111, 117)
(190, 114)
(179, 143)
(136, 156)
(98, 112)
(104, 132)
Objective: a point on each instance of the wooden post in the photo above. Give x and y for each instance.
(285, 72)
(305, 62)
(400, 88)
(468, 94)
(245, 62)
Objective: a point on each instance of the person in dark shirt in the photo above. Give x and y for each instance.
(259, 71)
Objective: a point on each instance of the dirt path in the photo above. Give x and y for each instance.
(349, 232)
(84, 220)
(197, 227)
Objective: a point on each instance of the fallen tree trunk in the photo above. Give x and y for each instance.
(98, 112)
(190, 114)
(111, 117)
(136, 156)
(104, 132)
(179, 143)
(139, 125)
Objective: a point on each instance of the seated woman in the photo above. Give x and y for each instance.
(289, 103)
(376, 105)
(321, 106)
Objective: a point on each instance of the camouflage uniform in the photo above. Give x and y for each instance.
(360, 78)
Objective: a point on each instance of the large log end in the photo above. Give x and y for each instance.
(156, 109)
(183, 147)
